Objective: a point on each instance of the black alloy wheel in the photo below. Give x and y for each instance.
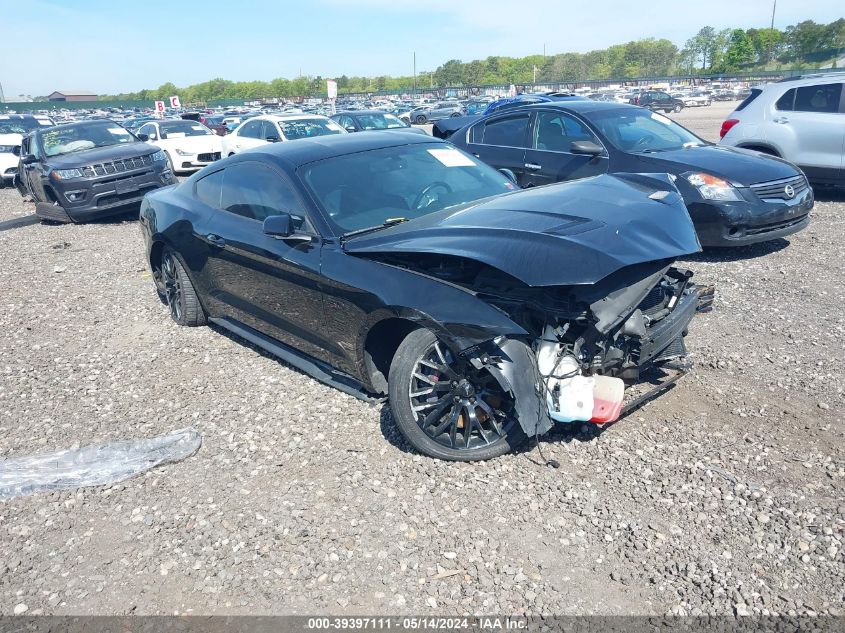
(447, 408)
(178, 291)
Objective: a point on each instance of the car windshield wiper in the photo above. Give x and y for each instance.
(387, 223)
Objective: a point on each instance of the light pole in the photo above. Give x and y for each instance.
(772, 32)
(415, 73)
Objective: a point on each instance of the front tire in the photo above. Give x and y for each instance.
(678, 107)
(446, 408)
(179, 293)
(170, 164)
(420, 119)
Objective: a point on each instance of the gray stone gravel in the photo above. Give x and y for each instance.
(725, 496)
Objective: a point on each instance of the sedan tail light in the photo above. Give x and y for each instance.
(726, 126)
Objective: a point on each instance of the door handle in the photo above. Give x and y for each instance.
(780, 119)
(476, 155)
(215, 239)
(532, 166)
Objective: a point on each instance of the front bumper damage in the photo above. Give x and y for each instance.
(515, 364)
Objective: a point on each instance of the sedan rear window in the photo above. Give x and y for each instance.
(305, 128)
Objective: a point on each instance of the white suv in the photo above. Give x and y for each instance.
(801, 119)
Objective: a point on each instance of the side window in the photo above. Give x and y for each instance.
(269, 130)
(823, 98)
(508, 132)
(786, 101)
(256, 192)
(250, 129)
(345, 121)
(207, 189)
(555, 132)
(663, 96)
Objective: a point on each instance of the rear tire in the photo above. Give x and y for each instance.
(420, 119)
(182, 299)
(479, 424)
(678, 108)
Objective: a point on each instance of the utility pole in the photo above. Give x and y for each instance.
(772, 32)
(2, 98)
(534, 79)
(415, 73)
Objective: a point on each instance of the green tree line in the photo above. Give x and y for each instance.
(804, 45)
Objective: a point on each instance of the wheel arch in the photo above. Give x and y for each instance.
(764, 148)
(379, 346)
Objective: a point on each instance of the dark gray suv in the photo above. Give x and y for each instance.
(88, 170)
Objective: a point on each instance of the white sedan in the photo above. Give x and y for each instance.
(272, 128)
(189, 145)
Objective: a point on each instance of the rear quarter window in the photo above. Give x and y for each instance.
(785, 102)
(755, 92)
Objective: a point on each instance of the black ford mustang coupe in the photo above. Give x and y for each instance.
(390, 263)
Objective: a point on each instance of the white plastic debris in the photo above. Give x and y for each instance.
(94, 465)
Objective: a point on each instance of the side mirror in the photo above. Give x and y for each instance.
(272, 139)
(28, 159)
(152, 137)
(143, 137)
(511, 176)
(16, 150)
(350, 128)
(586, 147)
(282, 227)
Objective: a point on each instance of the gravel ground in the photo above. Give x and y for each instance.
(723, 496)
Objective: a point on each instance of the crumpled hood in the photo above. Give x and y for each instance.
(100, 155)
(741, 167)
(569, 233)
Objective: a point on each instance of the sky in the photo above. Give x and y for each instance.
(109, 46)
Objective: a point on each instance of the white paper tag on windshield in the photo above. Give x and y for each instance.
(117, 130)
(659, 117)
(452, 158)
(198, 128)
(176, 135)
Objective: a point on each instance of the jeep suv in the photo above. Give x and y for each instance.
(88, 170)
(801, 119)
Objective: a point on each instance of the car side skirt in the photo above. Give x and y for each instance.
(311, 366)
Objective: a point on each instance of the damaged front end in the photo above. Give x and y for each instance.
(588, 347)
(587, 343)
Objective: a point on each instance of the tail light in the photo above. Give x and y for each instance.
(726, 126)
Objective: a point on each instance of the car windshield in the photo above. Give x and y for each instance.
(18, 126)
(392, 184)
(304, 128)
(378, 121)
(641, 131)
(82, 136)
(178, 129)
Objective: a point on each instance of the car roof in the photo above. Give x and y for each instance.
(73, 124)
(805, 80)
(357, 112)
(287, 117)
(307, 150)
(575, 106)
(20, 117)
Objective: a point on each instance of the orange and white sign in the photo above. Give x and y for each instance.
(174, 102)
(159, 106)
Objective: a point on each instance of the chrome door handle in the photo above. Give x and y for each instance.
(215, 239)
(780, 119)
(532, 166)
